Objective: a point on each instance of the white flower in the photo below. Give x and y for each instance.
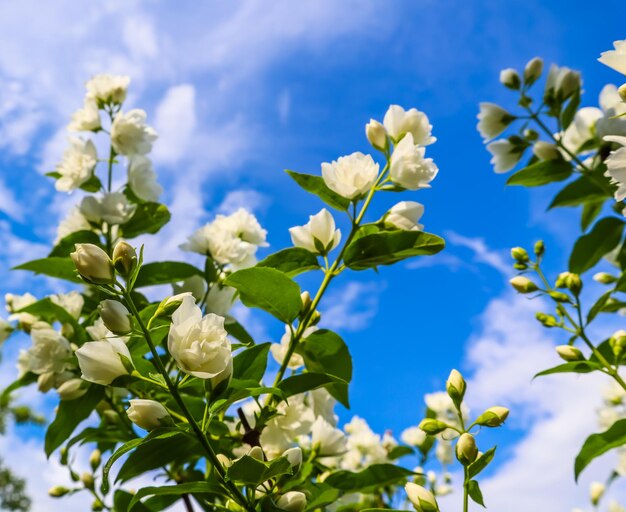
(616, 58)
(98, 331)
(616, 166)
(364, 442)
(142, 178)
(376, 135)
(318, 235)
(199, 344)
(615, 507)
(400, 122)
(71, 302)
(49, 352)
(93, 263)
(596, 491)
(323, 405)
(292, 501)
(17, 302)
(73, 222)
(546, 150)
(505, 155)
(413, 436)
(441, 404)
(326, 439)
(422, 499)
(100, 361)
(108, 88)
(72, 389)
(350, 176)
(77, 165)
(492, 120)
(405, 216)
(147, 414)
(86, 119)
(111, 207)
(294, 419)
(562, 82)
(612, 122)
(279, 350)
(220, 299)
(409, 168)
(580, 131)
(130, 135)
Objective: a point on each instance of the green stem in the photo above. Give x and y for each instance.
(466, 490)
(237, 495)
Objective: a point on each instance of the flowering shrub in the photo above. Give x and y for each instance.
(177, 387)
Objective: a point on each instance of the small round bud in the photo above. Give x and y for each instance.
(546, 151)
(93, 264)
(292, 501)
(87, 480)
(622, 92)
(596, 491)
(569, 353)
(493, 417)
(456, 386)
(115, 316)
(520, 266)
(570, 281)
(539, 248)
(546, 320)
(433, 427)
(510, 78)
(519, 254)
(305, 297)
(124, 258)
(64, 452)
(224, 460)
(618, 342)
(97, 505)
(533, 70)
(315, 318)
(604, 278)
(72, 389)
(530, 135)
(422, 499)
(95, 459)
(377, 135)
(45, 382)
(58, 491)
(559, 296)
(466, 449)
(523, 284)
(294, 456)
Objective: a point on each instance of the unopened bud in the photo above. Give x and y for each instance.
(115, 316)
(305, 298)
(533, 70)
(292, 501)
(315, 318)
(618, 342)
(64, 452)
(124, 258)
(97, 505)
(569, 353)
(422, 499)
(58, 491)
(455, 386)
(559, 296)
(72, 389)
(493, 417)
(294, 456)
(377, 135)
(546, 151)
(546, 320)
(95, 459)
(520, 266)
(224, 460)
(510, 78)
(93, 264)
(45, 382)
(87, 480)
(604, 278)
(466, 449)
(539, 248)
(596, 491)
(622, 92)
(433, 427)
(519, 254)
(570, 281)
(256, 453)
(523, 284)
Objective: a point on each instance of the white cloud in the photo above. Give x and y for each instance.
(351, 307)
(243, 198)
(482, 253)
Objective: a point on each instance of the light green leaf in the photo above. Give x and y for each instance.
(541, 173)
(316, 185)
(250, 364)
(59, 267)
(66, 245)
(376, 475)
(474, 492)
(573, 367)
(590, 248)
(164, 272)
(291, 261)
(482, 462)
(598, 444)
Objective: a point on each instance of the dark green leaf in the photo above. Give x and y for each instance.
(306, 382)
(148, 218)
(121, 502)
(291, 261)
(268, 289)
(541, 173)
(250, 364)
(598, 306)
(59, 267)
(376, 475)
(590, 213)
(590, 248)
(66, 245)
(388, 247)
(93, 184)
(473, 489)
(176, 490)
(238, 331)
(568, 113)
(251, 471)
(316, 185)
(598, 444)
(163, 272)
(581, 191)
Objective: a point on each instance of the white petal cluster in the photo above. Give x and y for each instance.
(49, 352)
(77, 165)
(504, 155)
(230, 239)
(130, 135)
(294, 419)
(16, 302)
(616, 166)
(142, 178)
(108, 89)
(111, 207)
(319, 235)
(399, 122)
(492, 120)
(405, 216)
(562, 82)
(409, 168)
(71, 302)
(616, 58)
(613, 107)
(73, 221)
(279, 350)
(351, 176)
(100, 361)
(86, 119)
(327, 440)
(199, 344)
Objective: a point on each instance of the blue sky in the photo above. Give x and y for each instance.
(240, 92)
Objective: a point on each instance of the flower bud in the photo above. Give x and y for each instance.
(559, 296)
(294, 456)
(533, 70)
(421, 498)
(124, 258)
(570, 281)
(622, 92)
(539, 248)
(93, 264)
(87, 480)
(455, 386)
(520, 266)
(523, 284)
(64, 455)
(596, 491)
(569, 353)
(95, 459)
(377, 135)
(519, 254)
(292, 501)
(45, 382)
(97, 505)
(58, 491)
(604, 278)
(433, 427)
(618, 342)
(546, 320)
(493, 417)
(224, 460)
(115, 316)
(220, 382)
(466, 449)
(546, 150)
(305, 297)
(72, 389)
(148, 414)
(510, 78)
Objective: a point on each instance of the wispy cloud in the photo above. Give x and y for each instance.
(351, 307)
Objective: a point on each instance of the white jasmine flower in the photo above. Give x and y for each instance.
(220, 299)
(351, 176)
(581, 130)
(74, 221)
(405, 216)
(147, 414)
(199, 344)
(130, 135)
(413, 436)
(16, 302)
(98, 331)
(326, 439)
(100, 361)
(142, 178)
(612, 122)
(399, 122)
(492, 120)
(49, 351)
(409, 168)
(318, 235)
(196, 285)
(106, 88)
(323, 404)
(616, 166)
(505, 155)
(279, 350)
(616, 58)
(562, 82)
(87, 119)
(71, 302)
(111, 207)
(77, 165)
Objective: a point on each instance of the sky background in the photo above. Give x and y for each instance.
(240, 91)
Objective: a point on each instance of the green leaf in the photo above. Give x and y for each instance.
(25, 380)
(93, 184)
(303, 382)
(590, 248)
(148, 218)
(317, 186)
(599, 305)
(598, 444)
(291, 261)
(238, 331)
(66, 245)
(590, 213)
(250, 364)
(581, 191)
(163, 272)
(473, 489)
(573, 367)
(59, 267)
(541, 173)
(568, 113)
(481, 463)
(69, 414)
(177, 490)
(268, 289)
(325, 352)
(50, 312)
(122, 499)
(376, 475)
(251, 471)
(388, 247)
